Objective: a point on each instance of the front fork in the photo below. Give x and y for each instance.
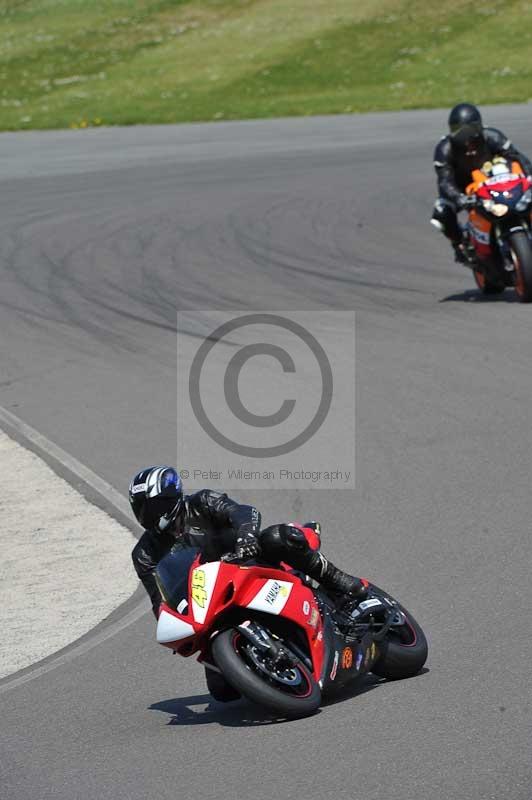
(501, 253)
(503, 248)
(502, 240)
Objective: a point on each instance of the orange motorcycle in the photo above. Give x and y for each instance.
(498, 233)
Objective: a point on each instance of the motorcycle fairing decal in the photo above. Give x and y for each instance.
(334, 669)
(202, 582)
(272, 597)
(347, 658)
(481, 236)
(369, 603)
(506, 178)
(172, 629)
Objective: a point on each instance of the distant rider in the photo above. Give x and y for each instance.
(467, 146)
(217, 525)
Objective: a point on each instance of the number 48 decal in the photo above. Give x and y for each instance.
(199, 594)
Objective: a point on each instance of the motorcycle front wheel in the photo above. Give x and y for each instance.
(521, 252)
(288, 690)
(487, 285)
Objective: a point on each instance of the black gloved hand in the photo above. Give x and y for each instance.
(246, 547)
(466, 201)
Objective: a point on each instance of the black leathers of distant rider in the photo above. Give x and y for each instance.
(454, 166)
(212, 521)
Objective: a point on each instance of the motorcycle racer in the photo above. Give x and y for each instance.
(216, 524)
(467, 146)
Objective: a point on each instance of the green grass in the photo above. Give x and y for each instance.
(89, 62)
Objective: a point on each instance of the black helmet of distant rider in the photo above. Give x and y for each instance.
(465, 127)
(156, 498)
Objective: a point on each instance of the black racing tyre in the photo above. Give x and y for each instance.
(487, 285)
(218, 687)
(521, 251)
(233, 653)
(405, 649)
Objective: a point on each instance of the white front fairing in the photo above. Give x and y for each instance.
(172, 629)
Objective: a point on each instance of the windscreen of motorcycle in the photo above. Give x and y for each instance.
(172, 575)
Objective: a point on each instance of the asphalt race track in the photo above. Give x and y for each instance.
(103, 234)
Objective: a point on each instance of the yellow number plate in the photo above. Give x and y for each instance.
(199, 594)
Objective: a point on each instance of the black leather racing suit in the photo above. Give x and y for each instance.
(212, 522)
(454, 167)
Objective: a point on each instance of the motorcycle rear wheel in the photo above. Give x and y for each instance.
(522, 257)
(233, 656)
(404, 650)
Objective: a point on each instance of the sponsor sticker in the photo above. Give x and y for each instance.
(140, 487)
(480, 236)
(370, 603)
(314, 618)
(273, 593)
(505, 177)
(306, 608)
(272, 596)
(334, 669)
(347, 658)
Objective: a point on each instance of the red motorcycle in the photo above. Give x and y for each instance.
(274, 637)
(498, 233)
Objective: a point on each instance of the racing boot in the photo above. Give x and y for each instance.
(335, 582)
(346, 591)
(341, 583)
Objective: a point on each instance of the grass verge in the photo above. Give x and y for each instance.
(75, 63)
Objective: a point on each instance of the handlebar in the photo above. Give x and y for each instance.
(470, 201)
(229, 558)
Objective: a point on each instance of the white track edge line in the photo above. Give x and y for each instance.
(72, 464)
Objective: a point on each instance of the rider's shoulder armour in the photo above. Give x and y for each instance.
(443, 152)
(497, 141)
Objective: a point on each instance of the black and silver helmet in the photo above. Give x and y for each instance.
(465, 125)
(156, 497)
